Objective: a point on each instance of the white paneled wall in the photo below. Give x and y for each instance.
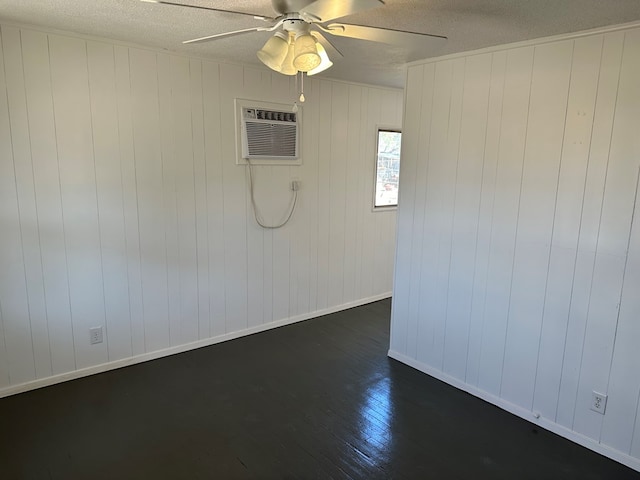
(121, 205)
(518, 264)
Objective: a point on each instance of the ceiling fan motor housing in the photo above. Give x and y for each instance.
(292, 23)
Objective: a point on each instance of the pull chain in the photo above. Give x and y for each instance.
(301, 98)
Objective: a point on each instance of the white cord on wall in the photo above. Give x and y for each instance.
(256, 212)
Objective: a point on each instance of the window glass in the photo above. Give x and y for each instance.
(387, 168)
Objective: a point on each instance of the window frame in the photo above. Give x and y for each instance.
(382, 128)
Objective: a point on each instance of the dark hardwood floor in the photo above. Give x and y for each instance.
(318, 399)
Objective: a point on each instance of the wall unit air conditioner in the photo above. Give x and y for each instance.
(267, 133)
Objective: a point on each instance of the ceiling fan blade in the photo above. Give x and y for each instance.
(399, 38)
(331, 49)
(175, 4)
(289, 6)
(326, 10)
(226, 34)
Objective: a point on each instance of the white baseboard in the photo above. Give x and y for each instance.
(145, 357)
(521, 412)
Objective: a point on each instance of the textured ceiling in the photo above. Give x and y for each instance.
(468, 24)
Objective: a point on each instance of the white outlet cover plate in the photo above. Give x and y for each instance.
(598, 402)
(95, 335)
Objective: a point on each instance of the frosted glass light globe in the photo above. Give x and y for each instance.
(275, 51)
(324, 63)
(305, 53)
(287, 65)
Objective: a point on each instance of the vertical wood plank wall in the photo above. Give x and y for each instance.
(121, 204)
(518, 264)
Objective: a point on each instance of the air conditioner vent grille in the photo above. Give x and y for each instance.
(271, 139)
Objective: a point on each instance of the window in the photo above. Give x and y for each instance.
(387, 168)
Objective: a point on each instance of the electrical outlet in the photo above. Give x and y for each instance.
(295, 185)
(95, 335)
(598, 402)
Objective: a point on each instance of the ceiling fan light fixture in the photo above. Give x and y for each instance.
(287, 67)
(275, 51)
(325, 61)
(306, 55)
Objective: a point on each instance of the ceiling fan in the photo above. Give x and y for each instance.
(298, 44)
